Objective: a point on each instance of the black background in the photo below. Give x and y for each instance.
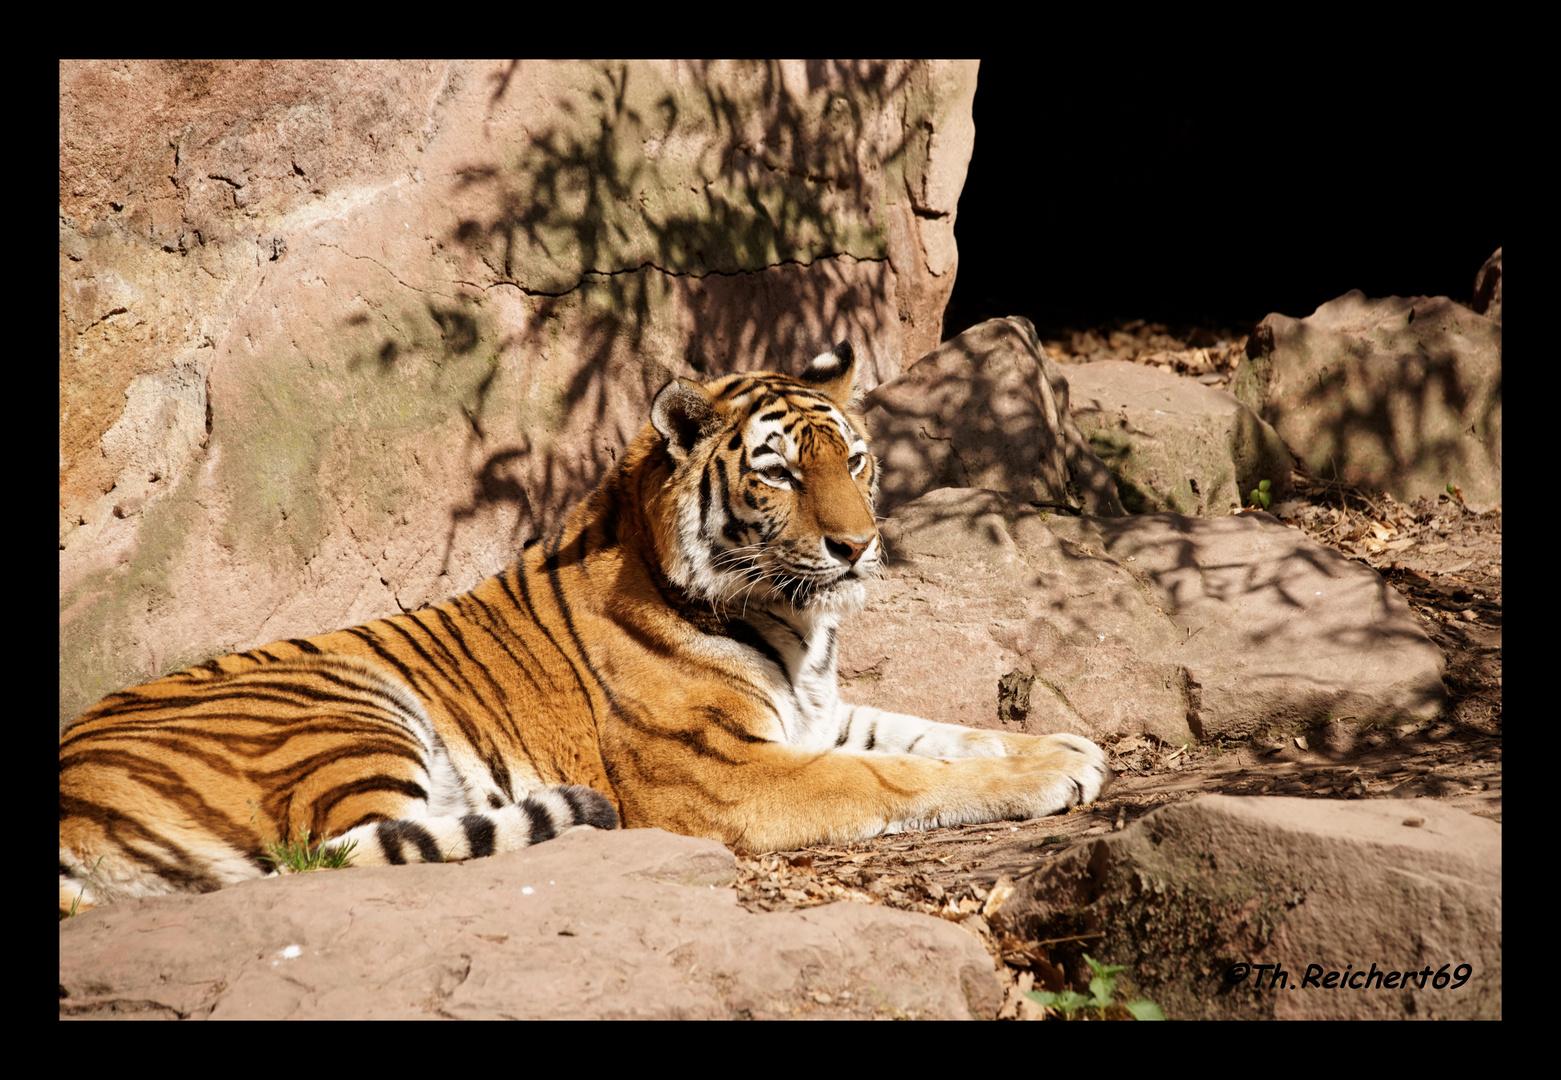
(1208, 196)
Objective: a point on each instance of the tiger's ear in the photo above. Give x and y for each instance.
(833, 374)
(682, 414)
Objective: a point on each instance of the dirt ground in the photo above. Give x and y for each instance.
(1444, 558)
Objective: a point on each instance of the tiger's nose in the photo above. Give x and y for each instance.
(846, 549)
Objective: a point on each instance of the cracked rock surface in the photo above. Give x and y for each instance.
(636, 924)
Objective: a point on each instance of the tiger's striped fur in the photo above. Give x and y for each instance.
(666, 658)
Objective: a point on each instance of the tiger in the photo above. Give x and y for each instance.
(665, 658)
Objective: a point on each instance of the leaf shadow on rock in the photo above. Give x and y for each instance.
(1283, 631)
(634, 258)
(1378, 413)
(1182, 567)
(987, 408)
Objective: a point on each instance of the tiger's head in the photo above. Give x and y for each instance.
(772, 488)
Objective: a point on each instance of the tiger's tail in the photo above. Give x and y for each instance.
(539, 816)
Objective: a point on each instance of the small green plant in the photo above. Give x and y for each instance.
(76, 903)
(1101, 987)
(297, 856)
(1259, 495)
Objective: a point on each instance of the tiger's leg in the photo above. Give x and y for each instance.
(862, 727)
(539, 816)
(763, 795)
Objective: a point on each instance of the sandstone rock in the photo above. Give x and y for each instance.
(1402, 394)
(336, 338)
(1180, 627)
(637, 924)
(985, 409)
(1172, 444)
(1487, 288)
(1193, 897)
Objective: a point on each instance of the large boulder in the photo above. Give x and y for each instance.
(985, 409)
(636, 924)
(997, 614)
(336, 338)
(1401, 394)
(1279, 908)
(1172, 444)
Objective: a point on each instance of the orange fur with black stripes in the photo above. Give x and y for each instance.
(666, 658)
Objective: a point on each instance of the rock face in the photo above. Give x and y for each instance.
(998, 615)
(985, 409)
(337, 337)
(1487, 288)
(1402, 393)
(1349, 895)
(1172, 444)
(638, 924)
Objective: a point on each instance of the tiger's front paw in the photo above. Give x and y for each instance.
(1081, 761)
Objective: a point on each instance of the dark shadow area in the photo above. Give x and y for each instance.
(1122, 192)
(494, 486)
(457, 328)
